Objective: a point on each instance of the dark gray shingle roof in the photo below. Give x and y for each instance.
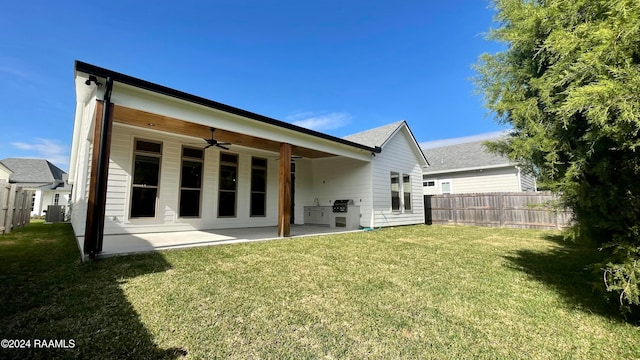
(33, 171)
(375, 137)
(462, 156)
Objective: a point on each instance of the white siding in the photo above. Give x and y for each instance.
(528, 182)
(167, 213)
(342, 178)
(477, 181)
(4, 174)
(398, 156)
(82, 171)
(304, 194)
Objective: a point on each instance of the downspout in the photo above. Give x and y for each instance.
(519, 179)
(101, 174)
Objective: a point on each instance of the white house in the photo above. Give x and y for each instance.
(5, 173)
(470, 168)
(47, 180)
(148, 162)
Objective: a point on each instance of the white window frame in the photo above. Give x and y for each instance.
(450, 186)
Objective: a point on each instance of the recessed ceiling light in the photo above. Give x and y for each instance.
(151, 124)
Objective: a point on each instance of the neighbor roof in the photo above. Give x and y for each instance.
(471, 155)
(34, 172)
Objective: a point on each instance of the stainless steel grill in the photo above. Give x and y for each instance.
(341, 206)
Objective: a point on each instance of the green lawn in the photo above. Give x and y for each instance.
(409, 292)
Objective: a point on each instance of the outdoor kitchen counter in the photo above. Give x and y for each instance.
(317, 215)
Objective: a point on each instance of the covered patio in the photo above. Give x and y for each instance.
(119, 244)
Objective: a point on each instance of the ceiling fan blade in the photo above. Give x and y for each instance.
(225, 143)
(223, 147)
(208, 146)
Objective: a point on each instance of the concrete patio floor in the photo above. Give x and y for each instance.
(138, 243)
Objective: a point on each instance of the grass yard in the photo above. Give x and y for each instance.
(410, 292)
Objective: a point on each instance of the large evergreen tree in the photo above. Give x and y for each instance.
(569, 86)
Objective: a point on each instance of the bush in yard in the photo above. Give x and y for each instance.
(568, 83)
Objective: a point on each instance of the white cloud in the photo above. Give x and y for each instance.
(46, 149)
(459, 140)
(320, 122)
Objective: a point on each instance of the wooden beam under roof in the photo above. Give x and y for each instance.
(151, 121)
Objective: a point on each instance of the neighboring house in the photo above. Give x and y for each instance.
(139, 165)
(471, 168)
(47, 180)
(5, 173)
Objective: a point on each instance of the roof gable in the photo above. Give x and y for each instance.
(463, 156)
(378, 137)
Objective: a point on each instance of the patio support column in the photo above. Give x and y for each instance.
(284, 191)
(96, 201)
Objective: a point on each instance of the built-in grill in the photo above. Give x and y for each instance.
(341, 206)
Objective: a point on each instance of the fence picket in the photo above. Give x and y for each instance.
(515, 210)
(15, 207)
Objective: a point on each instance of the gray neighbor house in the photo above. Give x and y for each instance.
(471, 168)
(48, 182)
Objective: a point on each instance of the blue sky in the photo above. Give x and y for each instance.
(339, 67)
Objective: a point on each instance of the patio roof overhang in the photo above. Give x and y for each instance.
(108, 112)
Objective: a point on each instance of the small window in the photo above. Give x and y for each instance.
(395, 191)
(429, 183)
(258, 205)
(445, 186)
(228, 185)
(147, 146)
(406, 190)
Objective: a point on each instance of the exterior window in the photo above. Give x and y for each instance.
(430, 183)
(56, 199)
(228, 185)
(191, 182)
(395, 191)
(258, 187)
(406, 189)
(146, 177)
(445, 186)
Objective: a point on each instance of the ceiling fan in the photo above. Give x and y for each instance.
(213, 142)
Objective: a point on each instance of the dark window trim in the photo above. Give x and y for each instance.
(235, 204)
(133, 165)
(251, 192)
(194, 159)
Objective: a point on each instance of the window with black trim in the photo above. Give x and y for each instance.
(228, 185)
(191, 182)
(146, 178)
(395, 191)
(258, 206)
(406, 190)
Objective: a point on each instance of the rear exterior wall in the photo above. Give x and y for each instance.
(398, 155)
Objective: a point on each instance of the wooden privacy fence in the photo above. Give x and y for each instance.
(536, 210)
(15, 207)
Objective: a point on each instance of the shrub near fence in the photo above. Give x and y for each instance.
(516, 210)
(15, 207)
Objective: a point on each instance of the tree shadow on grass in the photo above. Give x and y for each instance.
(569, 270)
(46, 293)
